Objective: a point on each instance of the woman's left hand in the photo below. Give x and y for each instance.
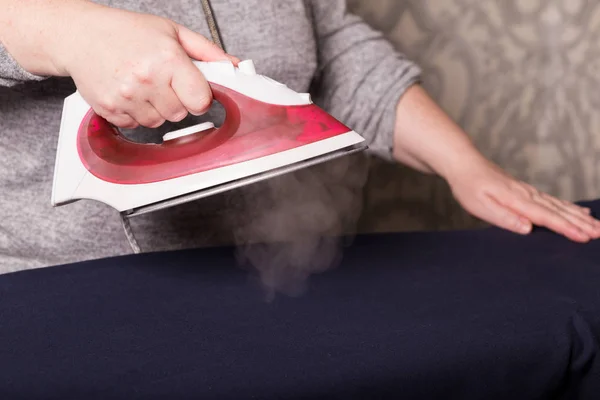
(428, 140)
(489, 193)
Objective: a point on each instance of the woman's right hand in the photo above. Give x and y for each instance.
(136, 69)
(132, 68)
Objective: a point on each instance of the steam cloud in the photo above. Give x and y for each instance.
(294, 225)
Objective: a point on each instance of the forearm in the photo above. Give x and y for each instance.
(34, 31)
(427, 139)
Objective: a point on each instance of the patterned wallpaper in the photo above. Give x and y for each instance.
(520, 76)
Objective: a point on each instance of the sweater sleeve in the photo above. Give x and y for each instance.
(11, 73)
(361, 76)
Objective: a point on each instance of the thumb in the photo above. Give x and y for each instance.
(495, 213)
(200, 48)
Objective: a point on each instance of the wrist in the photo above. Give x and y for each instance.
(459, 163)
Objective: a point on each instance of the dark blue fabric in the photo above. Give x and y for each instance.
(454, 315)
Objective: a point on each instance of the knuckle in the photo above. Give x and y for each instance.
(170, 53)
(546, 196)
(108, 105)
(568, 204)
(126, 91)
(143, 74)
(544, 200)
(524, 193)
(534, 192)
(521, 190)
(154, 67)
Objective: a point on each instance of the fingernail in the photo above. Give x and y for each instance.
(524, 226)
(579, 233)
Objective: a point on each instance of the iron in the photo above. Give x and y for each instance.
(268, 130)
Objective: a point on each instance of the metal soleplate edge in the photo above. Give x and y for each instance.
(175, 201)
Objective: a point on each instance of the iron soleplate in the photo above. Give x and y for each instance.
(175, 201)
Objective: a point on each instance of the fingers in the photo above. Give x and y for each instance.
(122, 121)
(200, 48)
(585, 227)
(576, 208)
(167, 104)
(147, 115)
(534, 194)
(132, 114)
(166, 97)
(516, 206)
(189, 84)
(192, 89)
(579, 216)
(154, 81)
(540, 214)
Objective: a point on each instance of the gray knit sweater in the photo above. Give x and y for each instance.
(312, 46)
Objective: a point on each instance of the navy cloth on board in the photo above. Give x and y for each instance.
(447, 315)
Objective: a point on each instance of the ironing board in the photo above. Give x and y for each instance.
(453, 315)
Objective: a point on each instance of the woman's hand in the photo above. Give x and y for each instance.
(137, 68)
(427, 140)
(489, 193)
(132, 68)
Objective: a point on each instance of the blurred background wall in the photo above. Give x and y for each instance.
(520, 76)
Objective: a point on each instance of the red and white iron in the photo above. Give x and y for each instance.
(268, 130)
